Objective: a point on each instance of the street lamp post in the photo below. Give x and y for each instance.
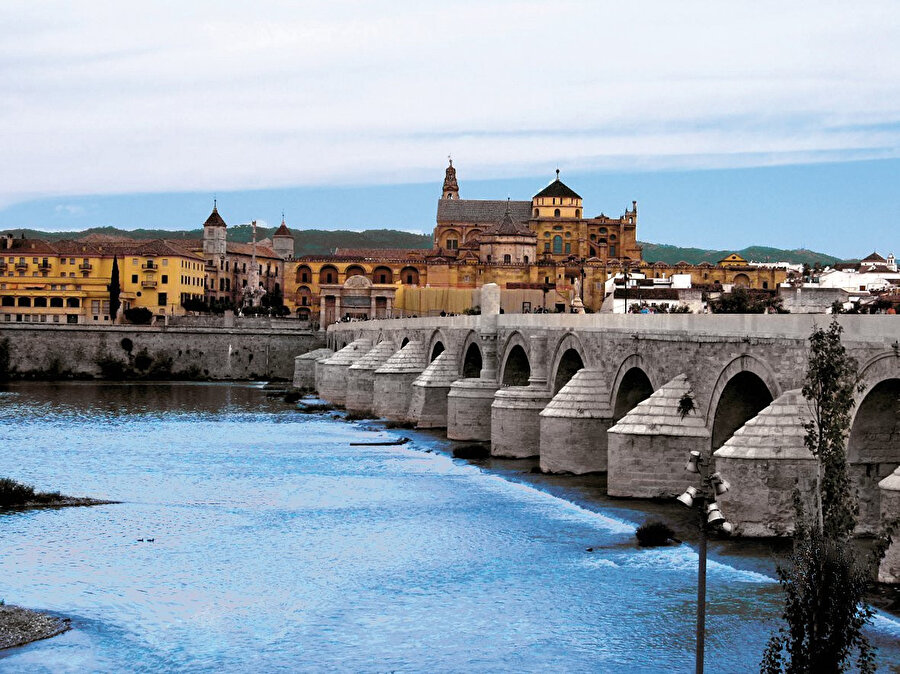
(626, 277)
(709, 517)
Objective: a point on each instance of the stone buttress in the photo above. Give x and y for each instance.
(574, 424)
(429, 397)
(392, 389)
(515, 420)
(765, 461)
(649, 447)
(331, 380)
(305, 367)
(361, 378)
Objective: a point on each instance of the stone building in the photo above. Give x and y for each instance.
(535, 250)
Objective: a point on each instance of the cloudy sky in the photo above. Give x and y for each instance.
(116, 112)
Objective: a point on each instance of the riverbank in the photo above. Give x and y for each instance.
(20, 626)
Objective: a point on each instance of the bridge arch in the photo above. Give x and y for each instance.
(515, 366)
(632, 385)
(437, 344)
(569, 356)
(743, 389)
(873, 445)
(470, 363)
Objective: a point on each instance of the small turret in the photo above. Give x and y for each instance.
(451, 187)
(214, 232)
(283, 240)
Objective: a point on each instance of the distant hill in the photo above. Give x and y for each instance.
(309, 241)
(323, 242)
(655, 252)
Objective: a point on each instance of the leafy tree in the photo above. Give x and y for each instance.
(825, 587)
(742, 301)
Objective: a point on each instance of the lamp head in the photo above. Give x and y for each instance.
(720, 484)
(715, 518)
(726, 528)
(687, 498)
(712, 505)
(693, 464)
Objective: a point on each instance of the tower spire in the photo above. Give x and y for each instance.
(451, 187)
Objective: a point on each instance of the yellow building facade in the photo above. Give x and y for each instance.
(68, 281)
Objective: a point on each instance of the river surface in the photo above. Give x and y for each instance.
(280, 547)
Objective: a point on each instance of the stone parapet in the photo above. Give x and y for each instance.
(392, 388)
(516, 421)
(573, 425)
(331, 380)
(361, 378)
(428, 405)
(765, 461)
(305, 367)
(469, 409)
(649, 447)
(889, 569)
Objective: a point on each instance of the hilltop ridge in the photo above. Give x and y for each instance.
(323, 242)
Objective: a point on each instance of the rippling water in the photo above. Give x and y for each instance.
(280, 547)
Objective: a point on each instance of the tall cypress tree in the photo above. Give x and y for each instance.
(114, 289)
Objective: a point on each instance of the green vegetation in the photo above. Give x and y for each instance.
(743, 301)
(657, 252)
(825, 585)
(14, 493)
(138, 315)
(654, 534)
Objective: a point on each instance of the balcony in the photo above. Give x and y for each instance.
(85, 266)
(44, 268)
(21, 265)
(148, 284)
(150, 266)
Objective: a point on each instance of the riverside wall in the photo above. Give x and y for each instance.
(60, 351)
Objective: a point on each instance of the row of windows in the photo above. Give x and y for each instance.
(24, 301)
(329, 274)
(556, 212)
(39, 318)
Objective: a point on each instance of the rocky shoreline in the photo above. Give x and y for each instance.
(61, 502)
(20, 626)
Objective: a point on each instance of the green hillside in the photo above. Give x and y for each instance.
(323, 242)
(655, 252)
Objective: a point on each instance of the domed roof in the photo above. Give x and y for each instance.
(283, 230)
(508, 227)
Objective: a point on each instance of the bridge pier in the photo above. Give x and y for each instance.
(574, 424)
(889, 569)
(649, 446)
(515, 412)
(305, 367)
(331, 380)
(428, 405)
(361, 378)
(765, 461)
(392, 388)
(469, 401)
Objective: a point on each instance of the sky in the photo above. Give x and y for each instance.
(731, 123)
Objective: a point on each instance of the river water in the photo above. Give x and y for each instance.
(280, 547)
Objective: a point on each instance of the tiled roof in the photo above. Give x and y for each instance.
(214, 219)
(482, 211)
(235, 248)
(874, 257)
(383, 253)
(558, 189)
(30, 247)
(283, 230)
(508, 227)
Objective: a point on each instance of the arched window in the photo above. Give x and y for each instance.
(73, 302)
(328, 274)
(8, 301)
(535, 212)
(525, 259)
(304, 274)
(383, 275)
(40, 301)
(557, 244)
(410, 276)
(304, 296)
(55, 302)
(612, 237)
(507, 258)
(577, 212)
(355, 270)
(472, 236)
(24, 301)
(556, 213)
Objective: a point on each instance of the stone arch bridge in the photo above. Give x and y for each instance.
(601, 392)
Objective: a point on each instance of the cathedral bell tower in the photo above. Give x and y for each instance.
(451, 187)
(214, 230)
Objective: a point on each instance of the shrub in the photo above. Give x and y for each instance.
(138, 315)
(653, 534)
(14, 493)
